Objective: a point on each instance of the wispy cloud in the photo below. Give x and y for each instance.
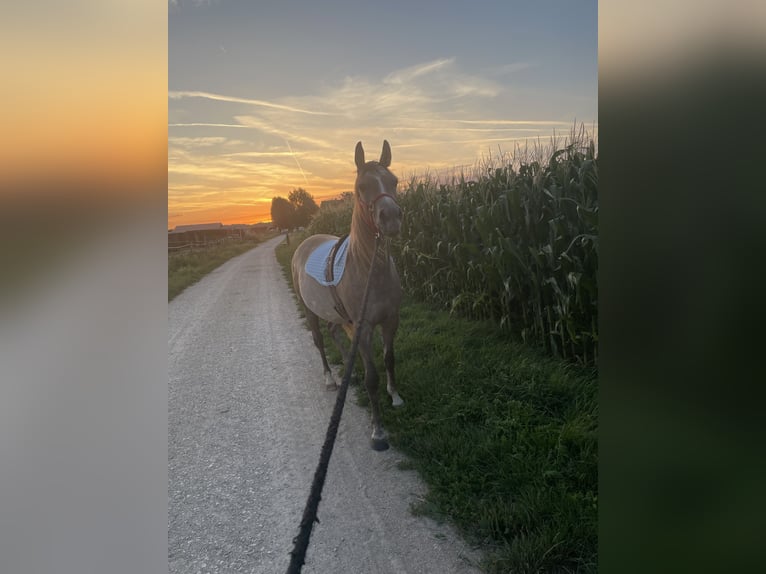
(408, 74)
(177, 95)
(193, 3)
(463, 141)
(419, 89)
(197, 141)
(461, 87)
(516, 122)
(261, 154)
(205, 125)
(463, 129)
(269, 128)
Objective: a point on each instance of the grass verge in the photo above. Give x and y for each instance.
(188, 267)
(504, 436)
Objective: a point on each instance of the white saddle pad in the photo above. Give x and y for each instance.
(316, 265)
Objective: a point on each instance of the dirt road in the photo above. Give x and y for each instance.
(247, 414)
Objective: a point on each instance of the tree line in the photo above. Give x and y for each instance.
(295, 211)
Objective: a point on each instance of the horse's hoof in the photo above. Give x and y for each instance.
(379, 444)
(397, 401)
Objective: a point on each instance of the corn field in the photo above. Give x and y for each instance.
(516, 244)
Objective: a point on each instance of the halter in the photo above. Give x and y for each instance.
(368, 208)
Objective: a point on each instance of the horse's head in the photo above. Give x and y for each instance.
(375, 190)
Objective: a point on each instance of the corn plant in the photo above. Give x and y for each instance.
(518, 244)
(335, 220)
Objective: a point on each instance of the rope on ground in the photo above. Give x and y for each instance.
(301, 541)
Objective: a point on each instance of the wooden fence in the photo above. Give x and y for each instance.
(191, 245)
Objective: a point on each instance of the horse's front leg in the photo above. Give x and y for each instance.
(388, 331)
(379, 440)
(336, 331)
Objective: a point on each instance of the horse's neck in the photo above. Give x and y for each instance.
(362, 239)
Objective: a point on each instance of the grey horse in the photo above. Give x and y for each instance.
(376, 214)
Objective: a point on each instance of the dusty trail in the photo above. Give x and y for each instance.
(247, 414)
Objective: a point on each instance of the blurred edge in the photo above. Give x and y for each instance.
(681, 93)
(83, 444)
(83, 338)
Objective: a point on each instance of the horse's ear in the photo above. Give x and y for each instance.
(359, 156)
(385, 156)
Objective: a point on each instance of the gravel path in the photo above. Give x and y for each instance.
(247, 415)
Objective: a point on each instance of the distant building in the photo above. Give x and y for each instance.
(197, 227)
(200, 234)
(197, 234)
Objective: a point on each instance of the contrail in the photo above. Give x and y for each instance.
(177, 95)
(295, 157)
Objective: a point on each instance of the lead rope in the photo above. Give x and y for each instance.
(301, 541)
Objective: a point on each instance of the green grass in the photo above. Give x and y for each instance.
(504, 435)
(188, 267)
(505, 438)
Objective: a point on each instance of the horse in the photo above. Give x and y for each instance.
(376, 215)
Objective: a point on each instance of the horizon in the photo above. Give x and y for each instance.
(269, 220)
(261, 103)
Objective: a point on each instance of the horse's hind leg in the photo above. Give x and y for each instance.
(316, 333)
(388, 330)
(336, 330)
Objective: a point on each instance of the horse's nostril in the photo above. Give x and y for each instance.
(383, 216)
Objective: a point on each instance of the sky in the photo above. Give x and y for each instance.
(268, 96)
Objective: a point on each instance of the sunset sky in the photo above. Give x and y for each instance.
(267, 96)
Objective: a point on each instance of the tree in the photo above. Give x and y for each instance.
(282, 213)
(305, 206)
